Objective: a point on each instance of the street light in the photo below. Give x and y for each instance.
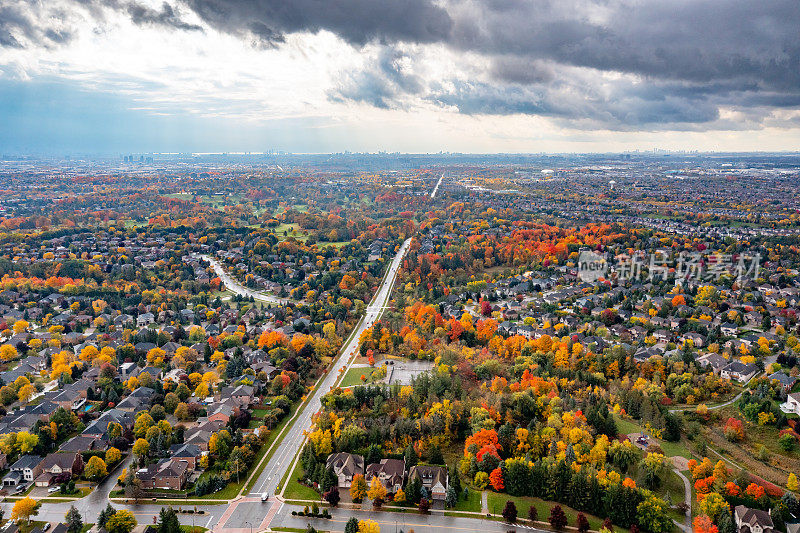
(251, 526)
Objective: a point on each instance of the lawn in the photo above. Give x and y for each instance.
(497, 503)
(294, 490)
(353, 376)
(472, 503)
(671, 449)
(193, 529)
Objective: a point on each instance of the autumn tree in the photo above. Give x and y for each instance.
(95, 469)
(510, 512)
(377, 492)
(24, 509)
(358, 488)
(557, 519)
(122, 521)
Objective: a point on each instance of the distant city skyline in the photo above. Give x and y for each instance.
(412, 76)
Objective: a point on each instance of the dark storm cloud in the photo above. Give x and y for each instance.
(683, 60)
(606, 63)
(356, 21)
(167, 16)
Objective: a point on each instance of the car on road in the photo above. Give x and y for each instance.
(265, 497)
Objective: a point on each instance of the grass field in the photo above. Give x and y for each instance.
(353, 376)
(497, 503)
(295, 491)
(471, 504)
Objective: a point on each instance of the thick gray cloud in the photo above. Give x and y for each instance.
(167, 16)
(682, 61)
(356, 21)
(598, 63)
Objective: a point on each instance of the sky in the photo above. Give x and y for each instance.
(118, 76)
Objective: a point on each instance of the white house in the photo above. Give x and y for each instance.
(792, 403)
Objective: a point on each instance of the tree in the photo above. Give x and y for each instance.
(712, 505)
(424, 505)
(25, 393)
(74, 520)
(95, 469)
(558, 519)
(122, 521)
(368, 526)
(24, 509)
(351, 526)
(400, 496)
(105, 514)
(533, 513)
(703, 524)
(332, 496)
(141, 448)
(168, 521)
(582, 523)
(653, 467)
(26, 442)
(358, 488)
(496, 479)
(652, 515)
(113, 455)
(791, 482)
(451, 497)
(510, 512)
(377, 492)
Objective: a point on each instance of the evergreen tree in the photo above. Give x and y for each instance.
(104, 515)
(451, 497)
(351, 526)
(410, 456)
(168, 521)
(455, 478)
(74, 520)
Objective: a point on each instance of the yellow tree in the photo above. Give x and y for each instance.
(95, 469)
(26, 393)
(24, 509)
(791, 483)
(7, 352)
(368, 526)
(377, 492)
(26, 442)
(358, 488)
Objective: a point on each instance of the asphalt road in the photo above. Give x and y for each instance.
(234, 286)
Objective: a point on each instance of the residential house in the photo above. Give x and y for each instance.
(433, 478)
(752, 520)
(59, 466)
(26, 468)
(786, 382)
(739, 371)
(792, 403)
(345, 466)
(190, 453)
(390, 472)
(166, 474)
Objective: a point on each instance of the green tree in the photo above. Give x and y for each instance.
(351, 526)
(104, 515)
(74, 520)
(652, 515)
(168, 521)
